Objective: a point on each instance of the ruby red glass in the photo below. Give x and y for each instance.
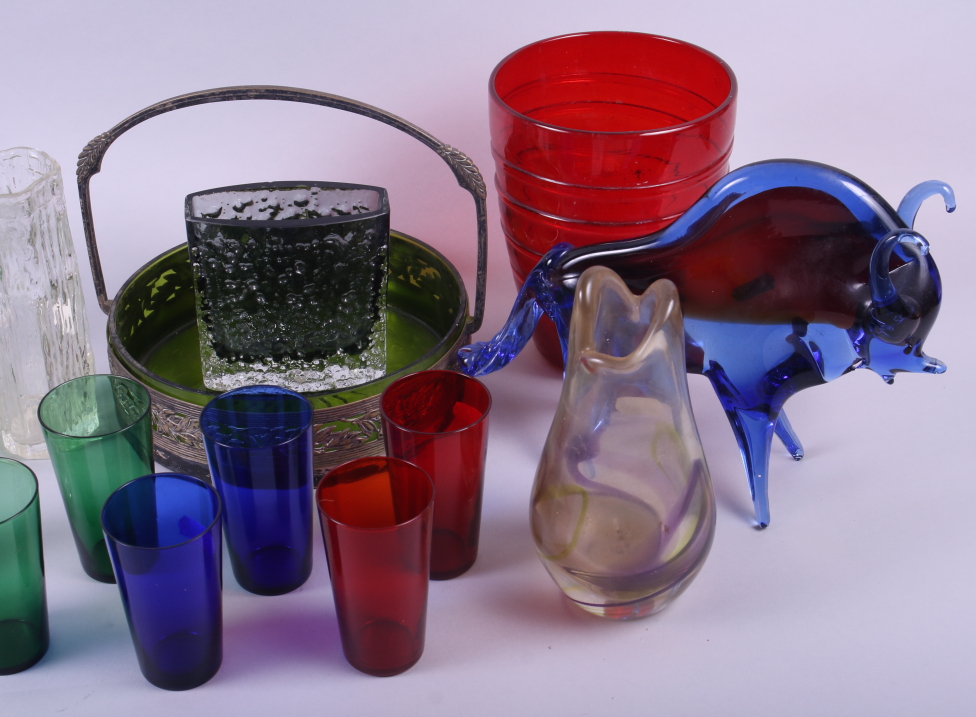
(602, 136)
(438, 420)
(376, 522)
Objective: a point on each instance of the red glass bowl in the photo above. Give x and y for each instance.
(605, 135)
(612, 109)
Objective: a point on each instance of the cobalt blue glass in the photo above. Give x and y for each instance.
(163, 536)
(790, 274)
(259, 447)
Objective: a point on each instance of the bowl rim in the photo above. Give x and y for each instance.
(730, 98)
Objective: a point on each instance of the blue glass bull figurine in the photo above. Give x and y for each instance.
(790, 274)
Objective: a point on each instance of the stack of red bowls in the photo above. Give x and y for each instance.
(602, 136)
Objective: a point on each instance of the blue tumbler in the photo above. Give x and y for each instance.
(259, 447)
(163, 536)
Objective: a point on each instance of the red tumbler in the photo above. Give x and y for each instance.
(376, 521)
(438, 420)
(601, 136)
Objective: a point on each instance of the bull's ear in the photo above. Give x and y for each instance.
(893, 318)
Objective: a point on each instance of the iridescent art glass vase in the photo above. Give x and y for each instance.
(290, 284)
(43, 324)
(623, 512)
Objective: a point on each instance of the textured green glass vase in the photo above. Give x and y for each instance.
(23, 605)
(291, 283)
(99, 435)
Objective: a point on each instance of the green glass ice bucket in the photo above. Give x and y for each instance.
(152, 325)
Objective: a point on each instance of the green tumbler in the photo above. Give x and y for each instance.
(99, 435)
(23, 605)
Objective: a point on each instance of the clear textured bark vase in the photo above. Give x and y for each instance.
(43, 326)
(623, 511)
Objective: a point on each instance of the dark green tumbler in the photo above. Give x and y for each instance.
(23, 604)
(99, 435)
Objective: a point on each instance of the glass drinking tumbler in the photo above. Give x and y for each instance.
(376, 523)
(438, 420)
(163, 533)
(42, 307)
(23, 604)
(604, 135)
(259, 447)
(99, 434)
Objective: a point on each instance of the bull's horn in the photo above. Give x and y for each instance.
(916, 195)
(893, 317)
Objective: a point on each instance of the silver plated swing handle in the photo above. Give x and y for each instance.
(467, 174)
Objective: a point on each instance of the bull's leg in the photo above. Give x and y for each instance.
(789, 438)
(754, 433)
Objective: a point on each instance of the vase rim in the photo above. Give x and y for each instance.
(51, 168)
(666, 304)
(382, 196)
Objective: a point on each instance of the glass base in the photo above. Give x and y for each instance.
(181, 661)
(338, 371)
(449, 555)
(383, 648)
(629, 610)
(272, 570)
(22, 645)
(27, 451)
(641, 607)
